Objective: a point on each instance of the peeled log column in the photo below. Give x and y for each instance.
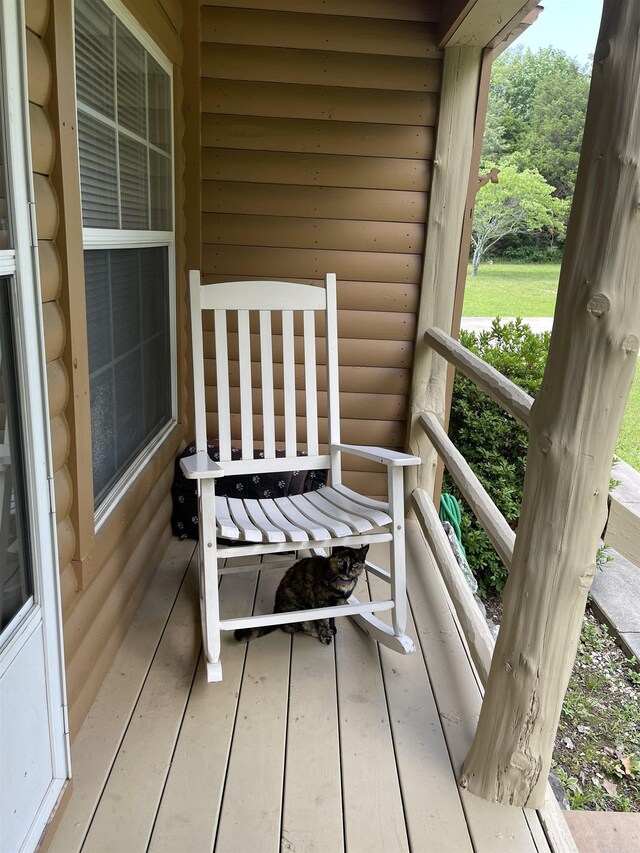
(574, 425)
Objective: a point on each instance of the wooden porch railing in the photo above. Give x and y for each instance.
(622, 530)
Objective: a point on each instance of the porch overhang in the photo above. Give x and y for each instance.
(484, 23)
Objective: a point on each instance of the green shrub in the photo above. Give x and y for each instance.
(493, 443)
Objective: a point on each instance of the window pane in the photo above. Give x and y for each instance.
(102, 398)
(134, 191)
(124, 125)
(132, 98)
(96, 273)
(4, 211)
(160, 192)
(159, 94)
(94, 56)
(16, 578)
(125, 297)
(97, 144)
(131, 392)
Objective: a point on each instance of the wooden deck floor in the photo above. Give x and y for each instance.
(301, 748)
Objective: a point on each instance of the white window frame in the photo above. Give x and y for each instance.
(114, 238)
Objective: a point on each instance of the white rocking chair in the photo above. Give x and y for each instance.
(334, 515)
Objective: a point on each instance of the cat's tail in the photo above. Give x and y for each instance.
(245, 635)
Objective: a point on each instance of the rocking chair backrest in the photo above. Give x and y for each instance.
(234, 306)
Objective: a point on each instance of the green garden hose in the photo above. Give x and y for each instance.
(450, 511)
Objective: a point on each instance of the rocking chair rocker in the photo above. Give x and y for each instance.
(284, 315)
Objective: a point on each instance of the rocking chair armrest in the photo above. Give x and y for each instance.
(390, 458)
(200, 467)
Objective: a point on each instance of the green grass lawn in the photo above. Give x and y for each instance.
(628, 447)
(529, 290)
(511, 290)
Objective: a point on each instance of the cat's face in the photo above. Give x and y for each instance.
(348, 563)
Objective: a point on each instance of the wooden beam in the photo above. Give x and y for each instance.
(506, 393)
(481, 23)
(473, 623)
(465, 240)
(480, 643)
(574, 427)
(451, 168)
(493, 522)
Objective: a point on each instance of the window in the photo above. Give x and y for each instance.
(124, 92)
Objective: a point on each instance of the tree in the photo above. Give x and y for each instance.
(554, 135)
(521, 202)
(537, 105)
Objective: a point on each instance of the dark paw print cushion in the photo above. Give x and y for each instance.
(184, 521)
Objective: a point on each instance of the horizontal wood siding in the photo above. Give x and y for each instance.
(317, 138)
(100, 588)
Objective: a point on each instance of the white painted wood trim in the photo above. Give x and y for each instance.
(506, 393)
(316, 516)
(248, 531)
(357, 522)
(488, 514)
(391, 458)
(263, 296)
(305, 615)
(355, 541)
(197, 362)
(266, 372)
(369, 503)
(200, 466)
(376, 516)
(333, 383)
(294, 463)
(397, 557)
(310, 381)
(246, 397)
(289, 375)
(222, 383)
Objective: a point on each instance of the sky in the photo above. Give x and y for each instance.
(570, 25)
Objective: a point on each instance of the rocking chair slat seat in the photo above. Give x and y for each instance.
(377, 517)
(272, 531)
(290, 436)
(248, 531)
(336, 528)
(291, 531)
(314, 531)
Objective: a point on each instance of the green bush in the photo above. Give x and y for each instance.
(493, 443)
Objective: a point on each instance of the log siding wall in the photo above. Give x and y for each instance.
(102, 584)
(317, 133)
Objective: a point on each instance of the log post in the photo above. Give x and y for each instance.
(575, 422)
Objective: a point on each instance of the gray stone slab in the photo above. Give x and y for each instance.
(631, 642)
(628, 490)
(616, 593)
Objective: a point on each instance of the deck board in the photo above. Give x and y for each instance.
(312, 808)
(96, 746)
(493, 827)
(373, 810)
(252, 801)
(127, 809)
(301, 748)
(188, 815)
(433, 811)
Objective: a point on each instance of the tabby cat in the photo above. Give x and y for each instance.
(314, 582)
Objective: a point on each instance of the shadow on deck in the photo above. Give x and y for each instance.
(302, 747)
